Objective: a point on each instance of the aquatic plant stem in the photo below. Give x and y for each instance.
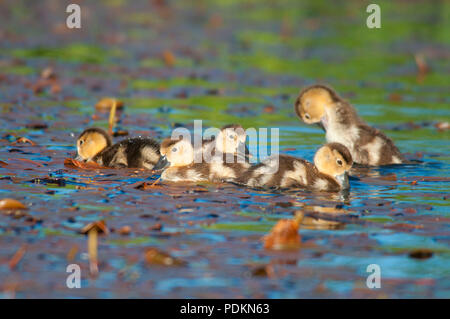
(112, 115)
(92, 251)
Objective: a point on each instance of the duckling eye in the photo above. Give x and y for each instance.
(307, 116)
(230, 136)
(81, 142)
(339, 162)
(174, 149)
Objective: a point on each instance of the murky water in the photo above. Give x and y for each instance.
(238, 62)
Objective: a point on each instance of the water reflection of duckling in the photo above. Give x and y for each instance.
(328, 173)
(230, 140)
(321, 104)
(95, 145)
(178, 156)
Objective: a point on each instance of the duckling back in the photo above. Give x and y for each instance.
(285, 171)
(136, 152)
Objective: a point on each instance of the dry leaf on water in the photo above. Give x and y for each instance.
(421, 254)
(70, 162)
(154, 256)
(17, 257)
(168, 58)
(125, 230)
(23, 140)
(284, 235)
(10, 204)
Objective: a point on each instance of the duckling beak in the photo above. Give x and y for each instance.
(78, 158)
(162, 163)
(323, 123)
(343, 180)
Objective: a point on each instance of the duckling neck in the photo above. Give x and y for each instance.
(342, 124)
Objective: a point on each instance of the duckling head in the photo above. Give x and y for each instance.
(91, 142)
(312, 102)
(231, 138)
(335, 160)
(175, 152)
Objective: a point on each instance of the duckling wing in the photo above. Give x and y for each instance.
(114, 156)
(375, 148)
(142, 152)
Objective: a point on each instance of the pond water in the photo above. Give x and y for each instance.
(223, 62)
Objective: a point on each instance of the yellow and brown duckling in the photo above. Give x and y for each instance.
(328, 173)
(230, 141)
(322, 105)
(94, 144)
(177, 158)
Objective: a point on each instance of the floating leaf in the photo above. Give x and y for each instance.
(125, 230)
(17, 257)
(10, 204)
(154, 256)
(421, 254)
(22, 140)
(70, 162)
(168, 58)
(284, 235)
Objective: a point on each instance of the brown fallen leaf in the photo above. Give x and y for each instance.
(17, 257)
(36, 126)
(125, 230)
(70, 162)
(146, 186)
(403, 226)
(157, 226)
(154, 256)
(10, 204)
(395, 97)
(284, 235)
(264, 271)
(168, 58)
(72, 253)
(23, 140)
(269, 109)
(29, 161)
(421, 254)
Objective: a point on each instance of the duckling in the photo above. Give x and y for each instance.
(178, 156)
(94, 144)
(322, 105)
(230, 140)
(328, 173)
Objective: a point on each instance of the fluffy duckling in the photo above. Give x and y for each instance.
(95, 145)
(230, 140)
(178, 156)
(320, 104)
(328, 173)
